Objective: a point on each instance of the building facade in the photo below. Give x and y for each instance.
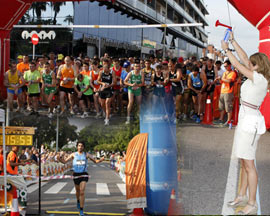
(179, 41)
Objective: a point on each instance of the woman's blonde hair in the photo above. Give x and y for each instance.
(263, 63)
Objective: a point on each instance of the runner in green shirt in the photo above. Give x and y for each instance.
(33, 78)
(83, 87)
(134, 81)
(49, 87)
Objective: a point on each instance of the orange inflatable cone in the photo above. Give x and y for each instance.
(235, 111)
(137, 212)
(208, 118)
(15, 206)
(173, 209)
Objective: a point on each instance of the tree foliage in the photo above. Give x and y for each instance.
(113, 138)
(45, 132)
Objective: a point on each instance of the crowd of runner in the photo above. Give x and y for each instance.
(109, 86)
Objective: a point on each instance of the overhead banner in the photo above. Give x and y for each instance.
(136, 172)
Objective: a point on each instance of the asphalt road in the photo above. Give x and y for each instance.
(105, 193)
(205, 155)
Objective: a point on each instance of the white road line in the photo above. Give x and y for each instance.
(73, 191)
(122, 188)
(102, 166)
(102, 189)
(34, 187)
(231, 186)
(56, 188)
(66, 201)
(94, 165)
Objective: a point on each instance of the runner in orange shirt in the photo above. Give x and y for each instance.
(67, 73)
(22, 67)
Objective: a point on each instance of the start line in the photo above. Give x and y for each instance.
(86, 213)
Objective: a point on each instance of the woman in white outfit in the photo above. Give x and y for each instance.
(251, 123)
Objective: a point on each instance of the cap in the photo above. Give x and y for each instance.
(126, 64)
(20, 57)
(60, 56)
(165, 62)
(180, 60)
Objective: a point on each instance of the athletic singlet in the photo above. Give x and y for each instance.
(159, 80)
(47, 78)
(210, 74)
(196, 81)
(67, 73)
(148, 76)
(107, 78)
(118, 77)
(13, 79)
(175, 83)
(135, 78)
(94, 77)
(80, 163)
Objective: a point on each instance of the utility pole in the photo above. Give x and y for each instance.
(165, 28)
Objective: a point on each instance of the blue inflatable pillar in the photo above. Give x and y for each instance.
(158, 120)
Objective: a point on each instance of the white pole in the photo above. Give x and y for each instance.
(110, 26)
(5, 162)
(99, 47)
(34, 47)
(57, 132)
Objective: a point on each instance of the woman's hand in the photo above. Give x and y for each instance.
(231, 36)
(224, 45)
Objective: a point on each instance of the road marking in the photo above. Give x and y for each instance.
(122, 188)
(66, 201)
(86, 213)
(73, 191)
(102, 189)
(231, 186)
(56, 188)
(102, 166)
(34, 187)
(94, 165)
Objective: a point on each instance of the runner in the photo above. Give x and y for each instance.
(13, 81)
(80, 166)
(33, 78)
(147, 89)
(94, 76)
(127, 69)
(22, 67)
(134, 81)
(175, 77)
(197, 82)
(107, 80)
(49, 87)
(83, 87)
(67, 74)
(159, 81)
(117, 97)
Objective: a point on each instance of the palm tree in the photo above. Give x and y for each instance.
(56, 7)
(37, 8)
(68, 19)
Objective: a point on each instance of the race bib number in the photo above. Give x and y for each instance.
(80, 162)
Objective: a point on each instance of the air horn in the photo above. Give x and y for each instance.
(221, 24)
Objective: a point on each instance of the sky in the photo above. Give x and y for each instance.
(245, 33)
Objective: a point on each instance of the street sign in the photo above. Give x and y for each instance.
(35, 39)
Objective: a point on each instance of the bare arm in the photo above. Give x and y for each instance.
(69, 158)
(240, 52)
(126, 81)
(241, 68)
(95, 161)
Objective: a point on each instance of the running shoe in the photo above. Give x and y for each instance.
(72, 112)
(84, 115)
(184, 117)
(106, 122)
(78, 206)
(128, 120)
(81, 213)
(198, 120)
(194, 117)
(50, 115)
